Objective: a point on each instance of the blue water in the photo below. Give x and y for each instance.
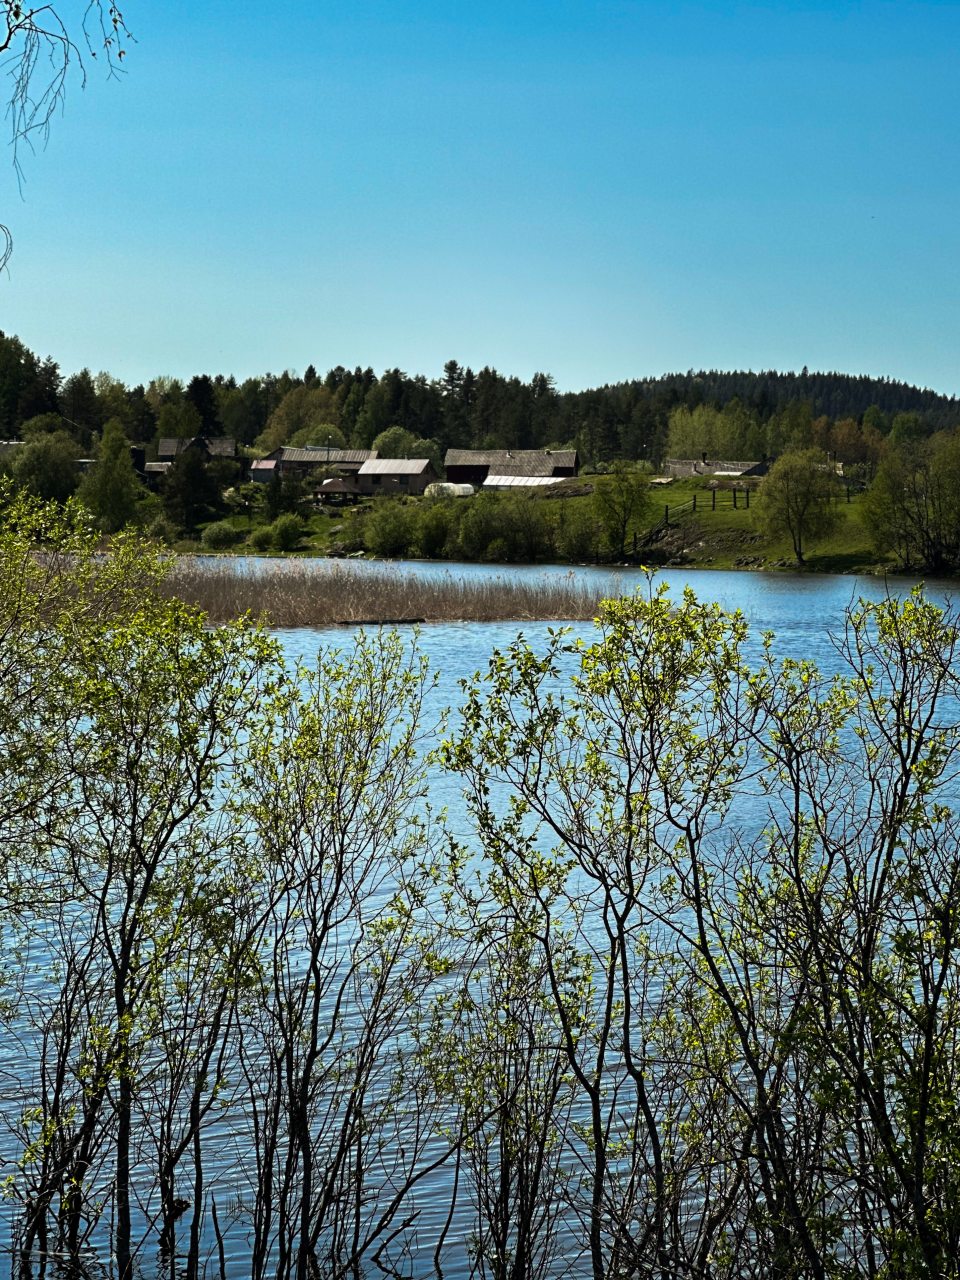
(803, 611)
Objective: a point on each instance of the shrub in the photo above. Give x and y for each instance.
(287, 531)
(262, 539)
(481, 523)
(577, 532)
(435, 526)
(527, 527)
(507, 527)
(219, 536)
(161, 530)
(390, 528)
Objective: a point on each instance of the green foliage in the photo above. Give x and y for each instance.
(284, 494)
(912, 509)
(798, 499)
(732, 432)
(511, 527)
(188, 819)
(44, 424)
(245, 499)
(622, 506)
(578, 532)
(398, 442)
(189, 491)
(515, 527)
(788, 997)
(287, 531)
(179, 418)
(325, 434)
(220, 535)
(390, 528)
(261, 539)
(681, 1046)
(110, 489)
(436, 527)
(53, 586)
(304, 412)
(160, 529)
(685, 988)
(243, 410)
(480, 526)
(282, 534)
(46, 466)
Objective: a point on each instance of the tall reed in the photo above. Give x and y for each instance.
(303, 594)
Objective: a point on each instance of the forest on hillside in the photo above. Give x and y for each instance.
(751, 414)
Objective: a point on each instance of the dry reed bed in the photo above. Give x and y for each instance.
(302, 594)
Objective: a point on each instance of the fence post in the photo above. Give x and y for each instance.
(713, 499)
(734, 492)
(666, 513)
(748, 498)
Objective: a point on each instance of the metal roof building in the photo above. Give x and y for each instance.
(473, 466)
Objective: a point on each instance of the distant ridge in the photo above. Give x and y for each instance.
(835, 395)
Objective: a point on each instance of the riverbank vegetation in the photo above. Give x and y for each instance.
(289, 593)
(677, 995)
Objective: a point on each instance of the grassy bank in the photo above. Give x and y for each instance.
(707, 532)
(299, 594)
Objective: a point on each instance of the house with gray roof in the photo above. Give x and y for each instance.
(395, 475)
(309, 457)
(473, 466)
(170, 447)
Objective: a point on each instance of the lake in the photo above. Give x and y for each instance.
(802, 610)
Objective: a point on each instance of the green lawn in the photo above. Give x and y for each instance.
(719, 535)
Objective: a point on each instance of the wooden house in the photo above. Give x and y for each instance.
(473, 466)
(395, 475)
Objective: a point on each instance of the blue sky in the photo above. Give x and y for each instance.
(601, 190)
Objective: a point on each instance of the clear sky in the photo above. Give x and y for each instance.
(601, 191)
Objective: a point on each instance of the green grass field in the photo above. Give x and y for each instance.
(722, 536)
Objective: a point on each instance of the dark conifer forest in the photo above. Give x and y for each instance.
(462, 407)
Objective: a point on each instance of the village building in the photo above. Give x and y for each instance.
(719, 467)
(304, 461)
(473, 466)
(395, 475)
(170, 447)
(337, 491)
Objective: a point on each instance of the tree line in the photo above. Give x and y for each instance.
(680, 999)
(466, 408)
